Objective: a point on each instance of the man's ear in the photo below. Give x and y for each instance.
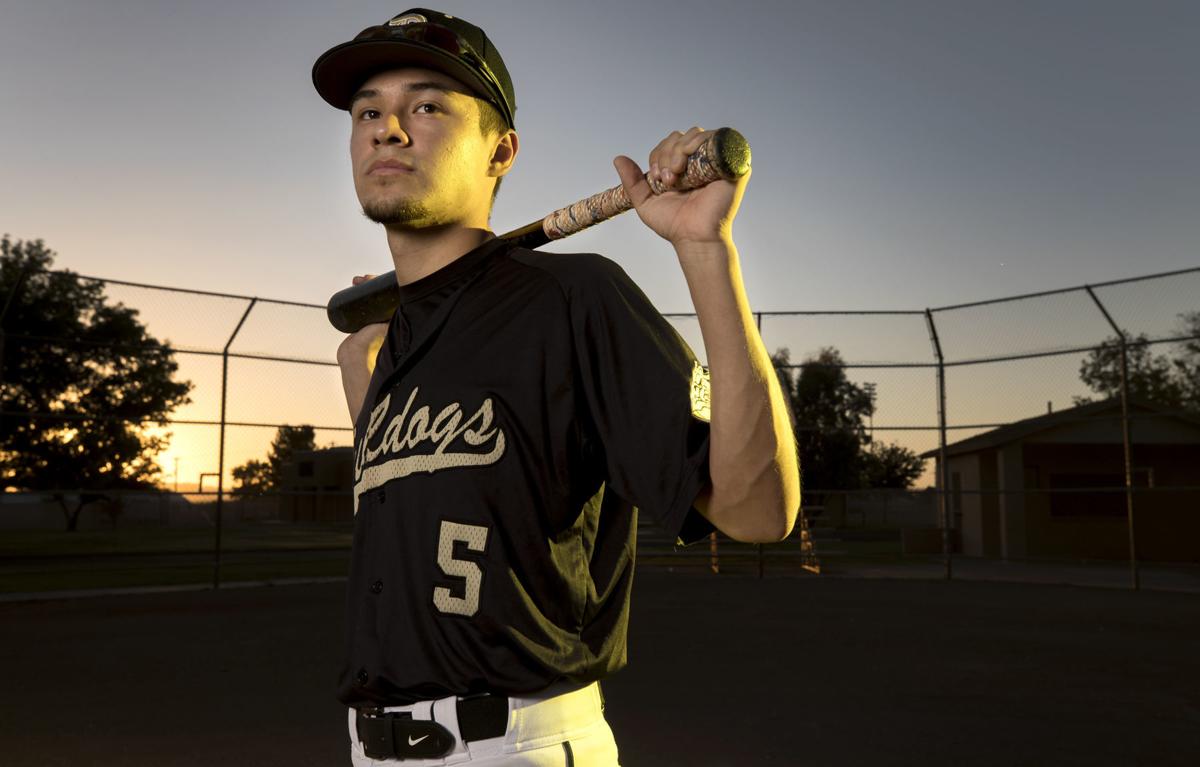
(504, 154)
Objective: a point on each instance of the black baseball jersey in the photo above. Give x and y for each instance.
(523, 408)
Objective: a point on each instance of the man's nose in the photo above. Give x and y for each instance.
(390, 132)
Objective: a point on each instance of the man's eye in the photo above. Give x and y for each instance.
(368, 114)
(432, 107)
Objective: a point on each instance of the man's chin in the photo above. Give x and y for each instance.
(396, 213)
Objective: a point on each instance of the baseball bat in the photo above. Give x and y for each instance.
(724, 155)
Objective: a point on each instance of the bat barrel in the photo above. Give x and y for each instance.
(358, 305)
(376, 299)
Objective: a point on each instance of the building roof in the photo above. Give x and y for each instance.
(323, 451)
(1019, 430)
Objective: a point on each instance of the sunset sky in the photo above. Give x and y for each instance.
(914, 154)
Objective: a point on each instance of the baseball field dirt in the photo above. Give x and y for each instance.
(723, 670)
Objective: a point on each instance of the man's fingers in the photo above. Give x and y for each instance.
(687, 146)
(668, 163)
(668, 160)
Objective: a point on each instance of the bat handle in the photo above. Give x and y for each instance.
(724, 155)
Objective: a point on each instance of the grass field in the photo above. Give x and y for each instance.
(142, 556)
(90, 573)
(139, 557)
(135, 539)
(41, 561)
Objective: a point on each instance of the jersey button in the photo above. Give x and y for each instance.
(376, 587)
(380, 495)
(361, 676)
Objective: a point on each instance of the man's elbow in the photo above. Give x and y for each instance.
(775, 525)
(760, 519)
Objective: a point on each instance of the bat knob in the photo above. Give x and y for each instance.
(732, 154)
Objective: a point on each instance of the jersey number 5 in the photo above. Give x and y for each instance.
(475, 537)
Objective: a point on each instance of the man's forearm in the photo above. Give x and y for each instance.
(355, 379)
(357, 366)
(752, 455)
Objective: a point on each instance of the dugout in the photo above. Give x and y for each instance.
(317, 486)
(1052, 486)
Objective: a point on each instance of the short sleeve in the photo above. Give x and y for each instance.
(647, 396)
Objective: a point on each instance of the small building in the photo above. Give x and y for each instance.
(317, 486)
(1053, 486)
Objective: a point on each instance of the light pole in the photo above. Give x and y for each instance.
(870, 387)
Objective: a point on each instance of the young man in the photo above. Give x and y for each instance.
(513, 413)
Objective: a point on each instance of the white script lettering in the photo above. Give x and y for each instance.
(405, 433)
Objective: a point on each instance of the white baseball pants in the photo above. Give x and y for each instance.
(550, 729)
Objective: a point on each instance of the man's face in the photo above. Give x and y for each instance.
(425, 125)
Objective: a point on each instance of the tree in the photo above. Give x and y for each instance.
(829, 414)
(257, 477)
(890, 466)
(80, 377)
(1170, 381)
(252, 478)
(1187, 361)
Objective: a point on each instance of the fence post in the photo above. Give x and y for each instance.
(943, 470)
(1124, 347)
(758, 326)
(221, 459)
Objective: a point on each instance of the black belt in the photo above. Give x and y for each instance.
(396, 735)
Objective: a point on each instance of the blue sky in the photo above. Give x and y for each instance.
(906, 154)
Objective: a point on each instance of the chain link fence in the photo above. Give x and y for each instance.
(1018, 479)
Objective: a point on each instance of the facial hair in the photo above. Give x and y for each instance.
(396, 212)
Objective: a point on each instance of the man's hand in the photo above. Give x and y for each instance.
(755, 489)
(695, 217)
(356, 357)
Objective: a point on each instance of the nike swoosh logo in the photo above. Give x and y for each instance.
(412, 742)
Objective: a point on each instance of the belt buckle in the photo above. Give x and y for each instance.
(397, 735)
(375, 732)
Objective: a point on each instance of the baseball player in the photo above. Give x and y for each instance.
(514, 416)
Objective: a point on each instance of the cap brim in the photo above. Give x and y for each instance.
(341, 71)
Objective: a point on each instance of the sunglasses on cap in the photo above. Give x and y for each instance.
(449, 41)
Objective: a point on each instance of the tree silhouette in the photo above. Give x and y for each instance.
(257, 477)
(890, 466)
(79, 376)
(829, 414)
(1187, 361)
(1172, 381)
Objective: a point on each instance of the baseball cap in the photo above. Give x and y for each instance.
(417, 37)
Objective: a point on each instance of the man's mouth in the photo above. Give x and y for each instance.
(388, 168)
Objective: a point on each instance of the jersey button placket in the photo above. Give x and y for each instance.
(361, 677)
